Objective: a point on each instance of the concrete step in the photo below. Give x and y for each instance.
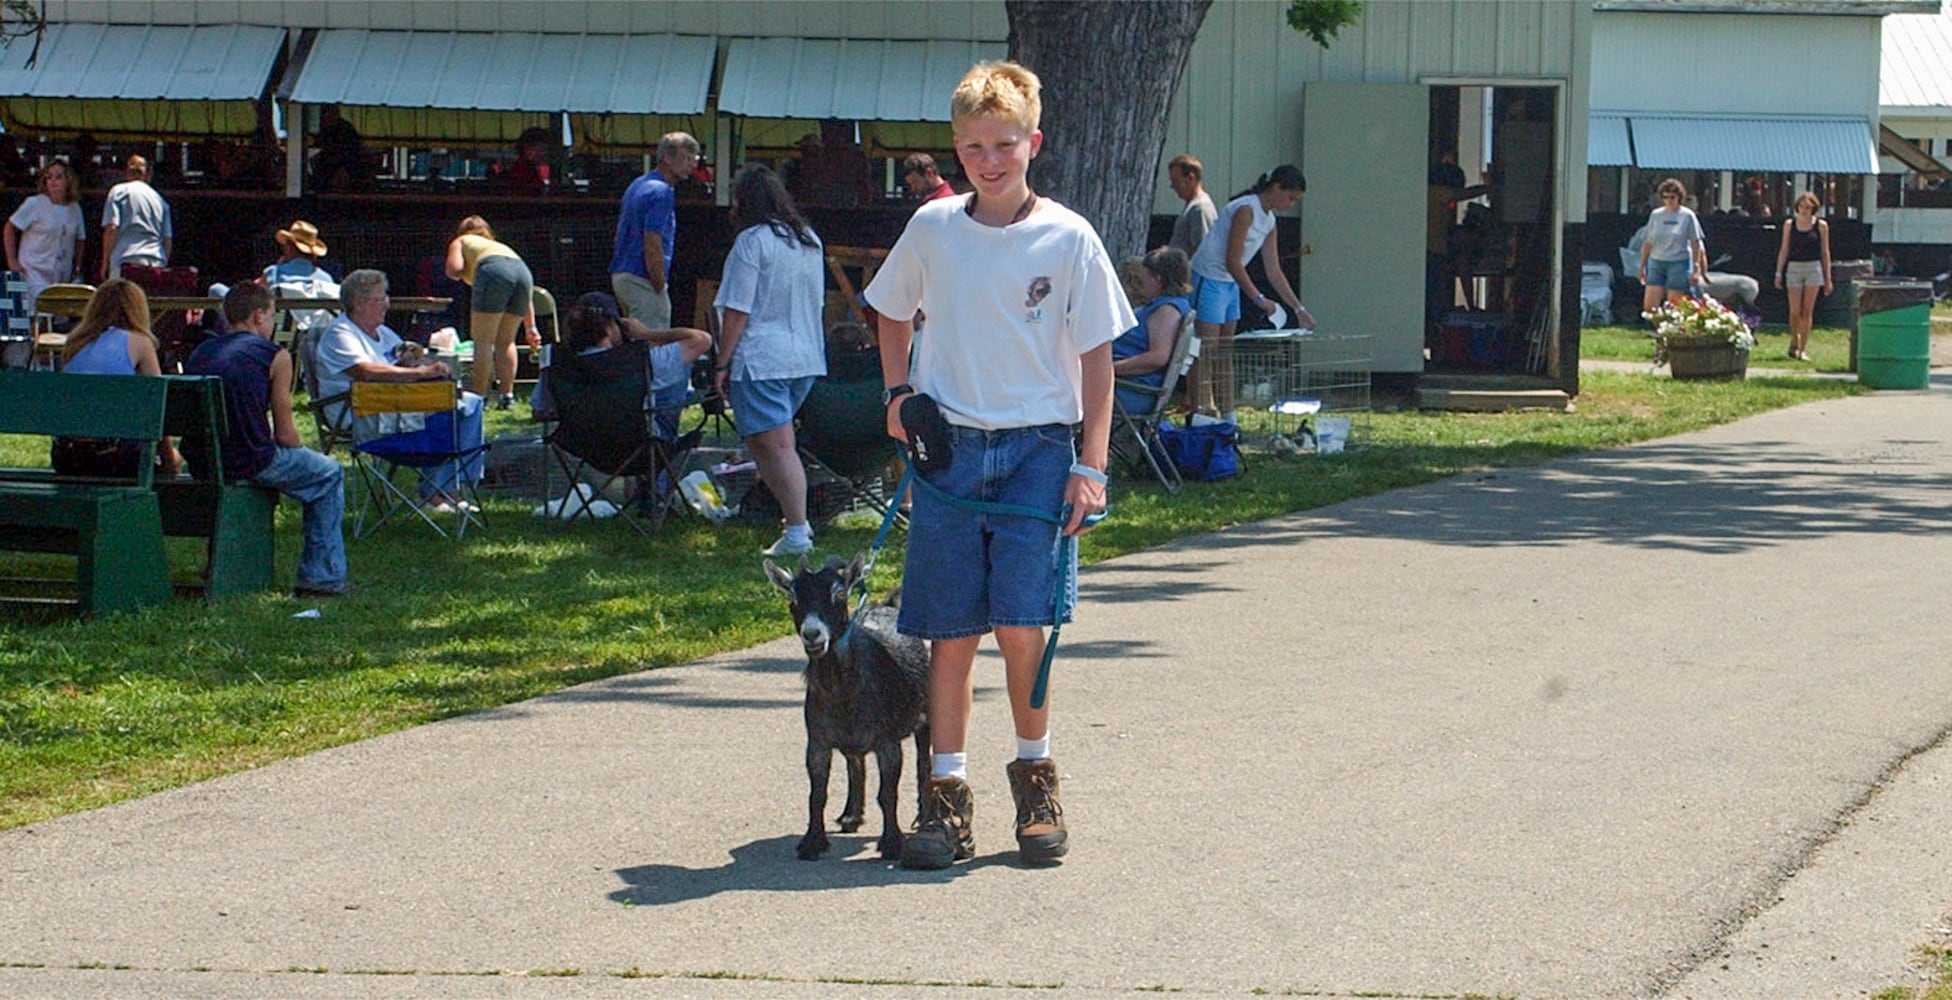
(1492, 400)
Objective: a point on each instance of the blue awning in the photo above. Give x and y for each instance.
(1607, 144)
(1781, 143)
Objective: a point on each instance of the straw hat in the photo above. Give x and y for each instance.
(304, 237)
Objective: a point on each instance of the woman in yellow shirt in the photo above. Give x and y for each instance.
(503, 299)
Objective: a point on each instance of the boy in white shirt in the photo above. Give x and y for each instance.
(1023, 304)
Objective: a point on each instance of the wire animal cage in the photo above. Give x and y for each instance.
(1282, 378)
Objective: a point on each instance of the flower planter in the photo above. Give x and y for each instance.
(1711, 357)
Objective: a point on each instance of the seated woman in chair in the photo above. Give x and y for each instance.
(593, 325)
(1140, 354)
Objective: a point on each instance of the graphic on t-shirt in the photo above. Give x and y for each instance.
(1039, 288)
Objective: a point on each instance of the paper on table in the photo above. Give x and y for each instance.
(1277, 319)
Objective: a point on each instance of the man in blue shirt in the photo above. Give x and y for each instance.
(647, 228)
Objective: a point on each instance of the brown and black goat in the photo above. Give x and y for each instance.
(867, 691)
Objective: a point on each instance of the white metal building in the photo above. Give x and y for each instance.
(1756, 98)
(1357, 117)
(1915, 109)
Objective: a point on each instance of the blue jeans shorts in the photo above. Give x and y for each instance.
(502, 284)
(1668, 273)
(1215, 301)
(763, 404)
(968, 571)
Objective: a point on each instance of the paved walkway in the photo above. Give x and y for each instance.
(1659, 721)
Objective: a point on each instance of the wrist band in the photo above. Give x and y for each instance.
(1081, 469)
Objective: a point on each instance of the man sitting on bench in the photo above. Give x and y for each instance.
(257, 381)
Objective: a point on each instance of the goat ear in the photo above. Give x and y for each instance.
(780, 577)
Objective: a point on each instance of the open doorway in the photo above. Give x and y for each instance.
(1490, 282)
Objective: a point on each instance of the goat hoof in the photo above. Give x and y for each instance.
(849, 824)
(889, 845)
(812, 846)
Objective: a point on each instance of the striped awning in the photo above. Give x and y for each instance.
(152, 81)
(509, 71)
(855, 79)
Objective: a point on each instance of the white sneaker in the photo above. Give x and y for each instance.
(787, 546)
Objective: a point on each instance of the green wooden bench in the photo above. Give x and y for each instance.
(114, 529)
(235, 519)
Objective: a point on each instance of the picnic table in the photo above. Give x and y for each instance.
(166, 303)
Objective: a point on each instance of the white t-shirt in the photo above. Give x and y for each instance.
(1211, 260)
(1010, 311)
(1671, 231)
(341, 346)
(48, 234)
(142, 221)
(780, 284)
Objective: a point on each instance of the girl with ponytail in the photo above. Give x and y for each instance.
(1220, 277)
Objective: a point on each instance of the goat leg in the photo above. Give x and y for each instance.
(820, 762)
(924, 761)
(854, 813)
(888, 756)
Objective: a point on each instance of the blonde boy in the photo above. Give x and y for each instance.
(1023, 304)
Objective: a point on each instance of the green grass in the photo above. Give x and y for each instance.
(1829, 348)
(1938, 959)
(94, 712)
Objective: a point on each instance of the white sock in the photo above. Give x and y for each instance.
(1036, 749)
(949, 765)
(802, 532)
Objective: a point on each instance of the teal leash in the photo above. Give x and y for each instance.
(1066, 549)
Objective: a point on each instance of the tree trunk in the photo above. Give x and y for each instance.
(1110, 69)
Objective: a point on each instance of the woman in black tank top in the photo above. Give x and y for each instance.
(1802, 267)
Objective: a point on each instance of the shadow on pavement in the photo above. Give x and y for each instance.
(769, 865)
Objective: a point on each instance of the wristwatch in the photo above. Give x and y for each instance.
(888, 395)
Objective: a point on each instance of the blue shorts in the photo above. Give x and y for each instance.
(1671, 274)
(763, 404)
(1215, 301)
(967, 571)
(502, 285)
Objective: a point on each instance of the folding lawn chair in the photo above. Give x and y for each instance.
(445, 468)
(1135, 435)
(842, 428)
(331, 414)
(606, 431)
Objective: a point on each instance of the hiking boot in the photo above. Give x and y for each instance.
(942, 834)
(1040, 817)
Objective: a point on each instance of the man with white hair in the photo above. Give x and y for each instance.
(647, 231)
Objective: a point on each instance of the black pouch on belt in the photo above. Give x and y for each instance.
(928, 434)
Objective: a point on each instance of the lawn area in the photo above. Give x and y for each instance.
(95, 712)
(1829, 347)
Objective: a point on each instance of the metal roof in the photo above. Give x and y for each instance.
(1607, 144)
(1786, 143)
(212, 62)
(509, 71)
(866, 80)
(1915, 66)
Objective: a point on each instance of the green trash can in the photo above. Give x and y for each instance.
(1894, 333)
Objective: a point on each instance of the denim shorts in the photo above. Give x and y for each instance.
(969, 571)
(1215, 301)
(762, 404)
(1670, 274)
(503, 285)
